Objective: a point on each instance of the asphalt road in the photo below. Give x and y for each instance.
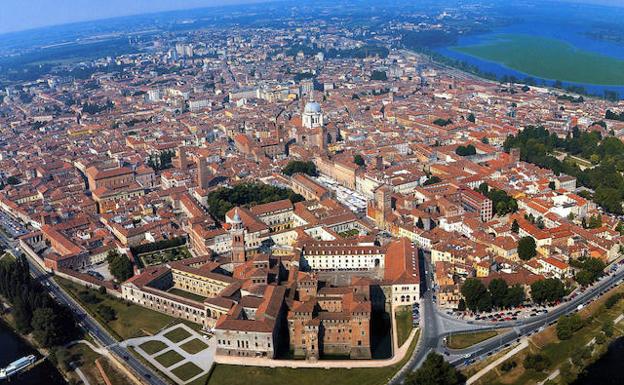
(432, 338)
(86, 322)
(531, 325)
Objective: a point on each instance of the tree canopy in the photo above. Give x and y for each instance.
(33, 309)
(502, 203)
(547, 290)
(295, 166)
(119, 265)
(466, 150)
(568, 325)
(223, 199)
(435, 371)
(359, 160)
(527, 248)
(476, 295)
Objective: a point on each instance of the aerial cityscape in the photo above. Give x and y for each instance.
(296, 192)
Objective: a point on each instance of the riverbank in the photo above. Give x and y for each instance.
(15, 346)
(607, 370)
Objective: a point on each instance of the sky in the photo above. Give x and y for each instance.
(17, 15)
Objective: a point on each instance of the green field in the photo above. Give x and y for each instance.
(404, 323)
(194, 346)
(548, 58)
(177, 335)
(169, 358)
(152, 347)
(465, 340)
(187, 371)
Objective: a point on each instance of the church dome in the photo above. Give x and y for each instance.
(312, 108)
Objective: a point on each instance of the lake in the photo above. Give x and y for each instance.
(608, 369)
(548, 47)
(13, 347)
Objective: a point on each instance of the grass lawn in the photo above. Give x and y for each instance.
(462, 341)
(404, 323)
(115, 375)
(548, 58)
(85, 358)
(140, 357)
(177, 335)
(194, 346)
(187, 371)
(152, 347)
(187, 295)
(169, 358)
(132, 320)
(245, 375)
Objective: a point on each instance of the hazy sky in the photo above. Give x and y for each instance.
(16, 15)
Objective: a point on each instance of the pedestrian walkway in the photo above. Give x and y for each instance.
(523, 344)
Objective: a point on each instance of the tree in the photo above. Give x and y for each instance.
(473, 290)
(466, 150)
(547, 290)
(584, 278)
(607, 328)
(435, 371)
(568, 325)
(515, 296)
(485, 302)
(537, 362)
(44, 326)
(527, 248)
(359, 160)
(461, 306)
(106, 312)
(442, 122)
(498, 289)
(119, 266)
(471, 118)
(515, 227)
(12, 180)
(295, 166)
(223, 199)
(591, 270)
(551, 185)
(379, 75)
(432, 180)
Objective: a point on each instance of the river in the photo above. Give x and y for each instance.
(12, 348)
(608, 369)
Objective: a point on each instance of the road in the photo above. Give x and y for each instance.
(436, 325)
(86, 322)
(531, 325)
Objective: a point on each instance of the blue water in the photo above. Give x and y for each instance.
(572, 33)
(13, 347)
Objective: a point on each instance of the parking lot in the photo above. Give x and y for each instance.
(11, 227)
